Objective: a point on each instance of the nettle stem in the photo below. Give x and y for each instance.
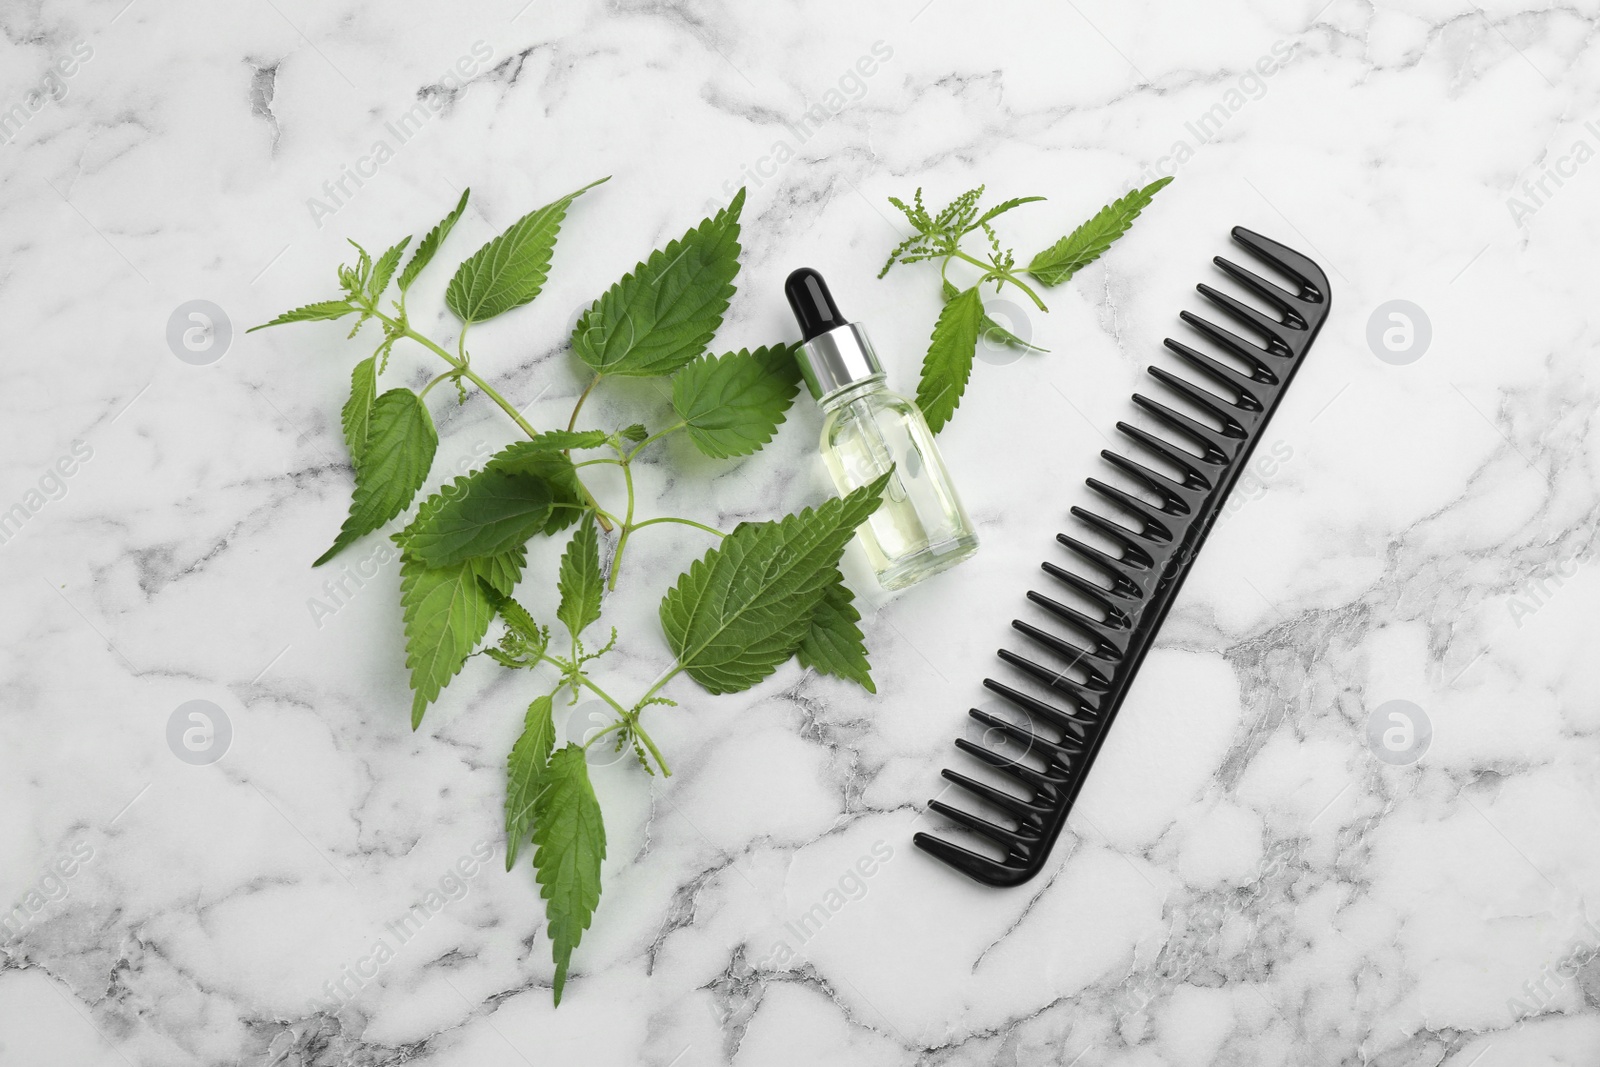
(462, 369)
(628, 718)
(1004, 276)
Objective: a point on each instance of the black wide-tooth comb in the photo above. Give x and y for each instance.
(1130, 592)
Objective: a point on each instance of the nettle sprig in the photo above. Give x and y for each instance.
(962, 321)
(764, 593)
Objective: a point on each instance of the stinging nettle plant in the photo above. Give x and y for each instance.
(764, 593)
(962, 321)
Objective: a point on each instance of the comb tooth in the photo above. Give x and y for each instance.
(1269, 327)
(1105, 635)
(1181, 458)
(1016, 807)
(1212, 441)
(979, 868)
(1154, 528)
(1025, 735)
(1231, 341)
(1310, 276)
(1226, 376)
(1203, 399)
(1279, 298)
(1121, 584)
(1026, 775)
(1073, 726)
(1134, 555)
(1075, 656)
(1056, 680)
(978, 825)
(1164, 487)
(1116, 618)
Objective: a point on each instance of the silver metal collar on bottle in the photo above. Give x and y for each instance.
(841, 357)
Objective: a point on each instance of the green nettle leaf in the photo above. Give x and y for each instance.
(834, 645)
(447, 612)
(569, 839)
(747, 606)
(516, 616)
(322, 311)
(562, 440)
(665, 312)
(1001, 208)
(1085, 244)
(525, 773)
(948, 363)
(733, 404)
(383, 269)
(580, 579)
(399, 450)
(510, 270)
(525, 642)
(357, 414)
(545, 457)
(992, 329)
(481, 514)
(634, 432)
(429, 245)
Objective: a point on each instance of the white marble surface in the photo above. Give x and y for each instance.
(1244, 881)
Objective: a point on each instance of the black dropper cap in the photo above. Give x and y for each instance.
(812, 304)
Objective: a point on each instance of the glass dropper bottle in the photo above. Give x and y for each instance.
(920, 528)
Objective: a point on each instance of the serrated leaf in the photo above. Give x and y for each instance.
(948, 364)
(992, 329)
(744, 608)
(517, 617)
(563, 440)
(580, 579)
(510, 270)
(479, 514)
(383, 268)
(634, 432)
(732, 404)
(833, 644)
(1001, 208)
(356, 417)
(391, 468)
(430, 243)
(525, 773)
(447, 611)
(569, 838)
(1085, 244)
(664, 313)
(544, 456)
(322, 311)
